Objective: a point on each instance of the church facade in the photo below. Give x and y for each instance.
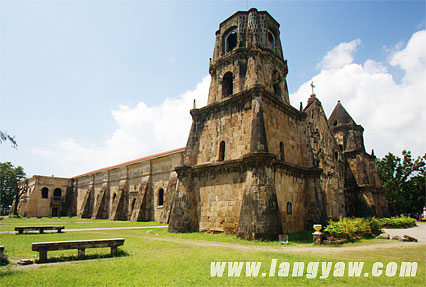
(254, 166)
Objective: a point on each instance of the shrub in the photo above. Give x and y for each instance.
(397, 222)
(14, 216)
(353, 228)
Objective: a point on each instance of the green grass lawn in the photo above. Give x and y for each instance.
(9, 224)
(153, 257)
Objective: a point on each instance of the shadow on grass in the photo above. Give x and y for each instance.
(37, 233)
(120, 253)
(4, 262)
(303, 236)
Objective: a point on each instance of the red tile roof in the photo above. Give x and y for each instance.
(133, 161)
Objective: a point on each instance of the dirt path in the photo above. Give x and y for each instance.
(305, 248)
(418, 232)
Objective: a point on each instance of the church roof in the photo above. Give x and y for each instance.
(340, 116)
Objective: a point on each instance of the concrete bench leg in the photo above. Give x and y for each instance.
(81, 252)
(42, 256)
(59, 230)
(41, 230)
(21, 231)
(113, 250)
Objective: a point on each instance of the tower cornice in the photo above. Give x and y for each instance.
(245, 96)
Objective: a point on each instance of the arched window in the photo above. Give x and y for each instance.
(57, 192)
(221, 151)
(289, 207)
(282, 151)
(227, 85)
(44, 192)
(230, 41)
(113, 197)
(161, 197)
(335, 123)
(271, 41)
(336, 155)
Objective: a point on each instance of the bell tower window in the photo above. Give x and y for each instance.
(227, 85)
(230, 41)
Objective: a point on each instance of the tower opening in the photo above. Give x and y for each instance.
(221, 151)
(227, 85)
(230, 41)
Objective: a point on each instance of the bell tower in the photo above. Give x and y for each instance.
(247, 54)
(243, 169)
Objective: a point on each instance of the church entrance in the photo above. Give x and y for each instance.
(54, 212)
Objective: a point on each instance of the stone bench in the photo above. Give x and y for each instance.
(41, 229)
(81, 245)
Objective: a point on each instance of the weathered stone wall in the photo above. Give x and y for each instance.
(220, 193)
(129, 191)
(290, 190)
(327, 156)
(281, 126)
(228, 121)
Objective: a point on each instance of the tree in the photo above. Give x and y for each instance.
(10, 177)
(404, 182)
(4, 137)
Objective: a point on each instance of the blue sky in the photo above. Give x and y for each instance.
(85, 84)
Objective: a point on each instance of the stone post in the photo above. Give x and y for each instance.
(317, 234)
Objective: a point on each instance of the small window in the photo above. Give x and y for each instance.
(113, 197)
(57, 192)
(230, 41)
(341, 147)
(221, 151)
(282, 151)
(44, 192)
(335, 123)
(336, 155)
(227, 85)
(289, 208)
(161, 197)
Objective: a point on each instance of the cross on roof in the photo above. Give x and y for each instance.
(312, 85)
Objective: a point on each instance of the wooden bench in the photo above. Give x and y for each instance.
(81, 245)
(41, 229)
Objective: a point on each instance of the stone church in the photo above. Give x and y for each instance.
(254, 166)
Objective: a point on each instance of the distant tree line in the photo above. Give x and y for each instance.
(404, 182)
(10, 176)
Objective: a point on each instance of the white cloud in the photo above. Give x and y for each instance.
(339, 56)
(393, 115)
(142, 130)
